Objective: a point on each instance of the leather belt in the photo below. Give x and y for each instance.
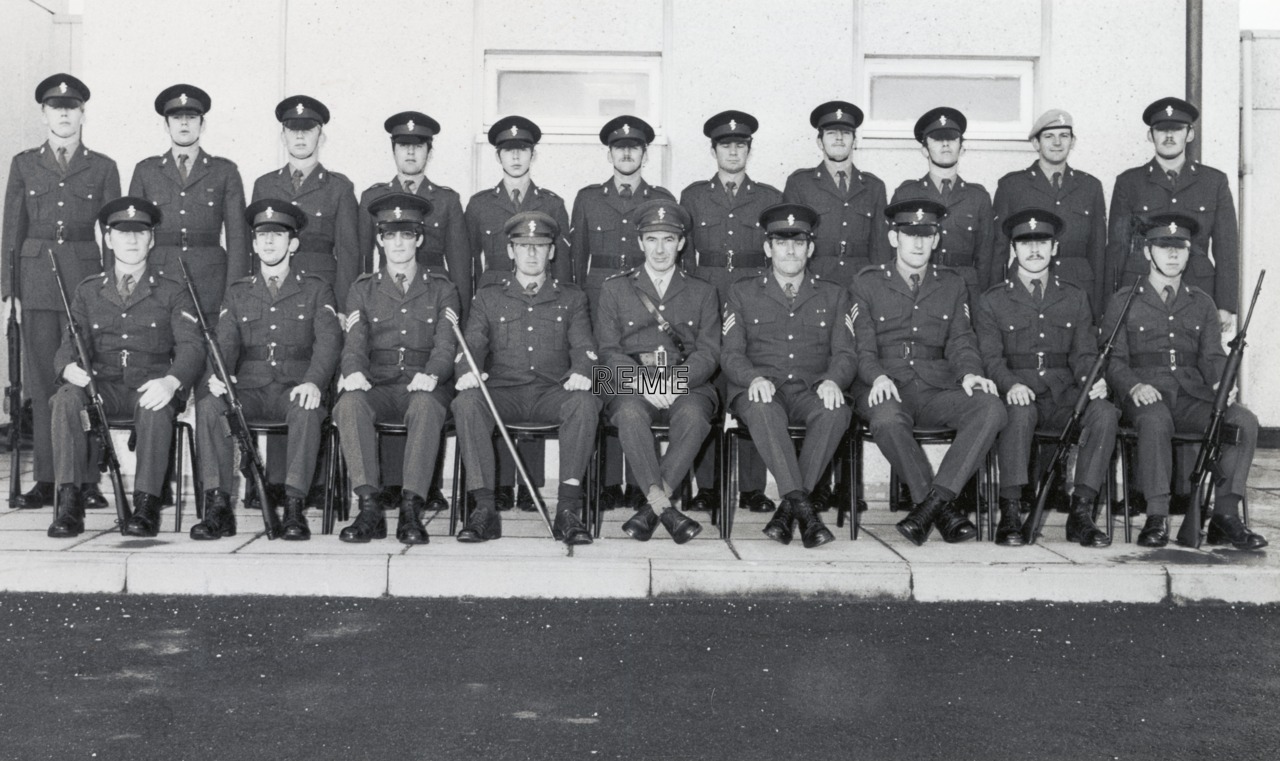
(61, 233)
(315, 244)
(1170, 358)
(275, 352)
(911, 351)
(1038, 361)
(652, 358)
(188, 239)
(731, 261)
(125, 357)
(399, 357)
(600, 262)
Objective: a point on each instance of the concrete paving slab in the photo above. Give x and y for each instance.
(94, 520)
(320, 545)
(39, 540)
(866, 550)
(305, 575)
(937, 552)
(658, 547)
(421, 575)
(61, 572)
(956, 582)
(513, 548)
(859, 580)
(1237, 584)
(166, 542)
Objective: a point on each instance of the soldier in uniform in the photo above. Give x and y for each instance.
(1171, 183)
(919, 356)
(54, 195)
(280, 337)
(329, 247)
(533, 333)
(396, 364)
(1168, 381)
(656, 319)
(789, 353)
(1038, 343)
(140, 333)
(967, 232)
(728, 246)
(515, 141)
(849, 200)
(199, 197)
(602, 238)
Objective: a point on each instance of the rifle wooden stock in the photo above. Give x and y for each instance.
(13, 393)
(94, 410)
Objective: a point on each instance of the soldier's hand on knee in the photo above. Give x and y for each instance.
(75, 375)
(657, 400)
(577, 382)
(423, 382)
(1020, 395)
(1099, 390)
(158, 392)
(881, 390)
(830, 394)
(216, 386)
(761, 390)
(354, 382)
(469, 381)
(1144, 394)
(972, 382)
(307, 395)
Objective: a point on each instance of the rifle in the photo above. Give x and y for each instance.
(1190, 532)
(1071, 431)
(250, 459)
(13, 393)
(95, 412)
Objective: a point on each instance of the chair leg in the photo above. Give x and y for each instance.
(859, 475)
(1124, 473)
(731, 483)
(597, 465)
(456, 490)
(177, 478)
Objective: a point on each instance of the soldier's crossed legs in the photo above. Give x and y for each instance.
(690, 420)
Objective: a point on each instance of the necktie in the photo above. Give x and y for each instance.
(625, 191)
(531, 289)
(731, 188)
(790, 291)
(915, 283)
(1168, 294)
(401, 284)
(1057, 180)
(62, 158)
(273, 285)
(660, 285)
(1173, 177)
(1037, 290)
(297, 179)
(182, 166)
(515, 197)
(946, 189)
(126, 287)
(408, 186)
(842, 181)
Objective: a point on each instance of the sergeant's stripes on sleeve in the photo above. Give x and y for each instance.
(849, 319)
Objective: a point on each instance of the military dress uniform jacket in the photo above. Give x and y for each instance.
(45, 209)
(1202, 193)
(151, 336)
(1177, 349)
(967, 232)
(1049, 346)
(853, 232)
(519, 339)
(726, 243)
(486, 215)
(328, 243)
(809, 341)
(905, 336)
(290, 339)
(192, 217)
(1082, 243)
(393, 336)
(626, 329)
(603, 234)
(445, 248)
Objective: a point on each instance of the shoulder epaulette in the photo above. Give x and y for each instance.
(94, 276)
(871, 268)
(545, 192)
(1000, 286)
(628, 273)
(364, 277)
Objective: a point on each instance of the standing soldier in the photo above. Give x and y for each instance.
(728, 246)
(396, 364)
(920, 358)
(849, 200)
(967, 232)
(603, 235)
(656, 319)
(143, 343)
(1169, 183)
(1168, 381)
(534, 335)
(199, 197)
(515, 141)
(1038, 344)
(1075, 196)
(789, 354)
(280, 337)
(54, 195)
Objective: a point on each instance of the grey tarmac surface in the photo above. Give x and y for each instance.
(139, 678)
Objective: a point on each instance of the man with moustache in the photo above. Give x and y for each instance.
(1038, 343)
(54, 194)
(919, 365)
(789, 352)
(728, 246)
(199, 196)
(657, 319)
(1073, 195)
(1170, 183)
(1168, 381)
(533, 334)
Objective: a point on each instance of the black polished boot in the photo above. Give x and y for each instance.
(568, 526)
(1080, 524)
(435, 500)
(813, 533)
(295, 528)
(707, 499)
(145, 521)
(821, 498)
(918, 524)
(755, 501)
(409, 528)
(779, 526)
(903, 501)
(484, 522)
(1009, 532)
(954, 525)
(1229, 529)
(68, 519)
(503, 497)
(91, 497)
(681, 527)
(641, 525)
(219, 519)
(369, 524)
(524, 500)
(40, 495)
(274, 491)
(611, 497)
(1155, 532)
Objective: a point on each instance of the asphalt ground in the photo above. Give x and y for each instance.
(129, 677)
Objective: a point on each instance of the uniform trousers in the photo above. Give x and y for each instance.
(154, 429)
(689, 418)
(976, 420)
(42, 332)
(794, 403)
(269, 403)
(1156, 424)
(1097, 439)
(422, 412)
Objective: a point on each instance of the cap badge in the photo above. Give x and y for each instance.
(942, 120)
(299, 108)
(132, 212)
(1062, 119)
(1032, 223)
(182, 99)
(514, 130)
(410, 125)
(626, 129)
(533, 227)
(791, 220)
(270, 212)
(662, 212)
(62, 87)
(733, 124)
(1173, 228)
(398, 213)
(919, 215)
(839, 113)
(1168, 110)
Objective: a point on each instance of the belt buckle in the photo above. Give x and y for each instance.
(183, 239)
(729, 263)
(1039, 360)
(1173, 359)
(271, 353)
(124, 357)
(622, 261)
(906, 351)
(61, 233)
(400, 357)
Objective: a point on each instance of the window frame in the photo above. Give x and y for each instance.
(1022, 69)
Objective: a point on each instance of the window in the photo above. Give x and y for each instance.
(994, 95)
(572, 94)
